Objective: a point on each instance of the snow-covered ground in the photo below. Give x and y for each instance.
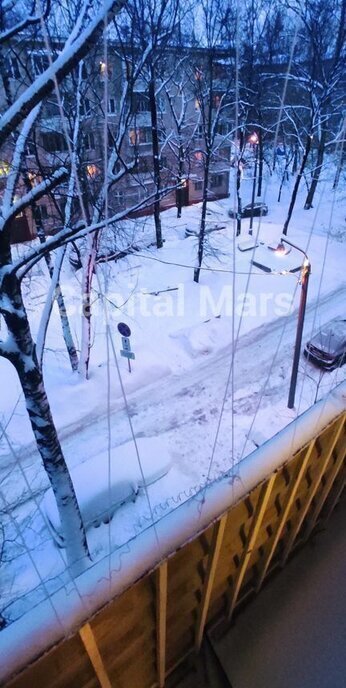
(211, 373)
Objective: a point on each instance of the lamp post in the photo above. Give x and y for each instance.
(254, 140)
(304, 281)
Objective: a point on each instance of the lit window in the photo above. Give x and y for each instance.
(104, 69)
(16, 198)
(199, 156)
(216, 101)
(140, 136)
(33, 178)
(197, 104)
(198, 74)
(4, 168)
(92, 170)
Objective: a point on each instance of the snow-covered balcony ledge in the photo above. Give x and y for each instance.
(68, 609)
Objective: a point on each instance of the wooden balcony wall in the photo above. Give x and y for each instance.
(139, 637)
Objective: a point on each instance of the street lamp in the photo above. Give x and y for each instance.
(254, 140)
(304, 281)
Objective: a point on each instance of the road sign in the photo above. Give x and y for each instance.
(124, 329)
(127, 354)
(125, 342)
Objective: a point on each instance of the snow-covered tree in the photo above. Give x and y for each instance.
(18, 118)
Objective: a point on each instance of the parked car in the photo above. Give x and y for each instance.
(258, 210)
(101, 489)
(327, 348)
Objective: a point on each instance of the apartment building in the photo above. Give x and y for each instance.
(106, 114)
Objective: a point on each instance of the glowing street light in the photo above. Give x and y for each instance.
(304, 281)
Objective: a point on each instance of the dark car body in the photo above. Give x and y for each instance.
(258, 210)
(327, 348)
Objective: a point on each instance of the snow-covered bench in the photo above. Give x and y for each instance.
(102, 486)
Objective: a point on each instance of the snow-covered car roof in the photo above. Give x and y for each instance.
(102, 485)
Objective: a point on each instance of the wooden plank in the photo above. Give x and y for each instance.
(337, 489)
(161, 622)
(249, 545)
(89, 642)
(313, 489)
(283, 517)
(326, 490)
(213, 558)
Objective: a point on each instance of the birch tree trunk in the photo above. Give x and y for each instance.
(88, 270)
(19, 349)
(65, 325)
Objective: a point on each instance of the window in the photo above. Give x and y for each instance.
(198, 185)
(223, 128)
(217, 99)
(197, 104)
(119, 197)
(85, 107)
(12, 67)
(141, 102)
(34, 178)
(112, 106)
(4, 168)
(143, 165)
(198, 156)
(89, 141)
(140, 136)
(16, 198)
(42, 213)
(216, 180)
(198, 74)
(104, 69)
(30, 148)
(53, 142)
(225, 153)
(92, 170)
(161, 105)
(39, 63)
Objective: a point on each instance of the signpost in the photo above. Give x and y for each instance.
(125, 351)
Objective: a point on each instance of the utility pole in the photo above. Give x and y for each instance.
(304, 281)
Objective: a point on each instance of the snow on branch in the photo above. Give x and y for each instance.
(65, 62)
(12, 178)
(68, 234)
(24, 23)
(34, 195)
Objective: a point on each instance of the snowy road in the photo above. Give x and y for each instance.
(187, 407)
(185, 410)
